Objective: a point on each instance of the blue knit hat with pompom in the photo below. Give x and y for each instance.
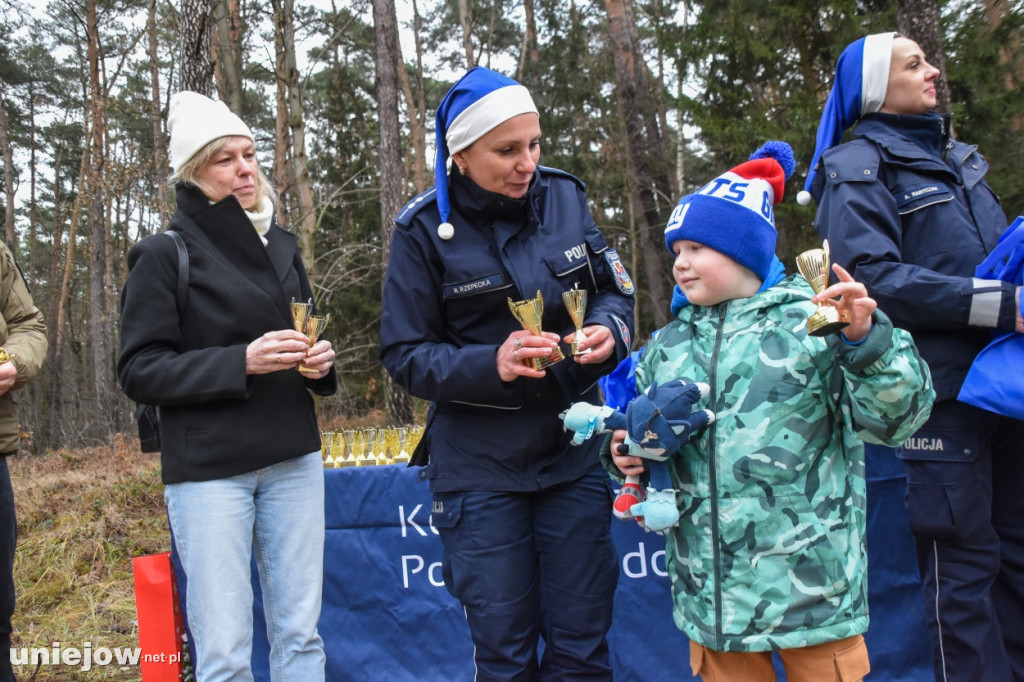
(734, 213)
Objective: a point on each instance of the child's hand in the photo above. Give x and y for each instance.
(627, 464)
(854, 304)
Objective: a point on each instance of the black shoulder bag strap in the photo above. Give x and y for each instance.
(181, 294)
(148, 416)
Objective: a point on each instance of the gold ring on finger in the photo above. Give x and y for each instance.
(515, 354)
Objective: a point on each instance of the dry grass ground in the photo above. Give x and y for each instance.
(82, 516)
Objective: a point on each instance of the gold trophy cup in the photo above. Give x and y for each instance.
(300, 313)
(576, 303)
(310, 325)
(529, 313)
(815, 265)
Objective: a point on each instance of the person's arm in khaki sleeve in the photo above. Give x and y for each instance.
(22, 331)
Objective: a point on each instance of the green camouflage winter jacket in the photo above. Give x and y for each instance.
(769, 552)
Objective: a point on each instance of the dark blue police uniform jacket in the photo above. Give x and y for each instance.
(446, 312)
(912, 227)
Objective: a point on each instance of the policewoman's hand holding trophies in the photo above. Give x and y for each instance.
(529, 353)
(576, 303)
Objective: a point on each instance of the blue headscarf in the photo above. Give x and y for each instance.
(862, 76)
(481, 100)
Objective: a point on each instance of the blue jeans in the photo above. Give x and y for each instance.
(278, 511)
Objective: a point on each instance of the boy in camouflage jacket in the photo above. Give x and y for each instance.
(769, 553)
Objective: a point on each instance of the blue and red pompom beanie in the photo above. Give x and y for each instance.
(734, 213)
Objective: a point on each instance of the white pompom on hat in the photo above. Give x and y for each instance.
(195, 120)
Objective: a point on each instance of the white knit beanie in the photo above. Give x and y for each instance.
(195, 120)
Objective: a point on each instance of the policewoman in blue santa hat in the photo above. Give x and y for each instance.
(907, 211)
(523, 514)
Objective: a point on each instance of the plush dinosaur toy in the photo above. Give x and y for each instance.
(657, 422)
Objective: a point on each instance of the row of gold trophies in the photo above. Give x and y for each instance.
(369, 446)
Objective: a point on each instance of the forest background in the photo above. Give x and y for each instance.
(645, 100)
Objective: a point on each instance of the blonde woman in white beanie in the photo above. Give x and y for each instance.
(240, 455)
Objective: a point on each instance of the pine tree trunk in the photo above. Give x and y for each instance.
(282, 168)
(643, 147)
(61, 418)
(531, 53)
(8, 157)
(196, 65)
(387, 58)
(228, 54)
(467, 36)
(303, 219)
(160, 167)
(33, 197)
(99, 318)
(416, 107)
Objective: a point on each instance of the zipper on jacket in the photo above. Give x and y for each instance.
(713, 482)
(959, 175)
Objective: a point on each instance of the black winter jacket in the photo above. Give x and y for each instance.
(216, 421)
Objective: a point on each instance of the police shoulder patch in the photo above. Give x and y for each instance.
(622, 280)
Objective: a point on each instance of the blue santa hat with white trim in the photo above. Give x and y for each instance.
(862, 76)
(733, 214)
(480, 101)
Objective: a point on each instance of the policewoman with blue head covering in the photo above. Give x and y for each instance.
(523, 514)
(907, 211)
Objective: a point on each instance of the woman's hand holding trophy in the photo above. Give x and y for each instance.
(298, 347)
(320, 355)
(530, 353)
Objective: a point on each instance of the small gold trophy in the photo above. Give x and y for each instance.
(315, 325)
(310, 325)
(576, 303)
(300, 313)
(815, 265)
(402, 456)
(346, 456)
(367, 438)
(529, 313)
(325, 449)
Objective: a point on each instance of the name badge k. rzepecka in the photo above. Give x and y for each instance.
(474, 286)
